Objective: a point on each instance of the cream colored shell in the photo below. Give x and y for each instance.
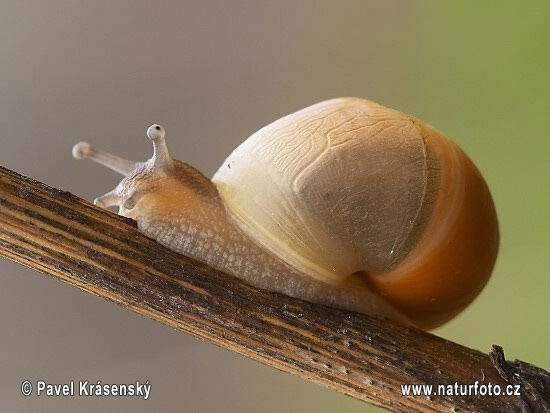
(332, 189)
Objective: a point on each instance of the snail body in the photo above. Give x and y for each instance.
(346, 203)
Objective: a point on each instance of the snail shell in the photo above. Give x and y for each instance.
(345, 202)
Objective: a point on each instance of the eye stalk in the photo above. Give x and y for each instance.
(161, 157)
(83, 150)
(156, 132)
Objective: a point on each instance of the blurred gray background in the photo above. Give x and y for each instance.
(214, 72)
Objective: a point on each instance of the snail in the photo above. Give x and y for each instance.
(346, 203)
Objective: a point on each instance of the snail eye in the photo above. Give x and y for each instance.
(156, 132)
